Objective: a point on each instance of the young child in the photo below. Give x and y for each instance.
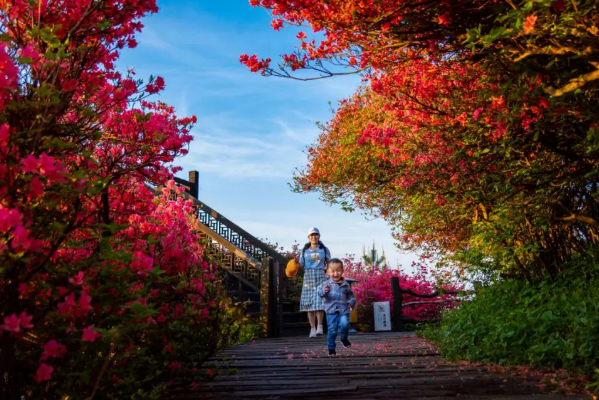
(338, 302)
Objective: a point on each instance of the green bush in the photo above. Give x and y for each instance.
(546, 324)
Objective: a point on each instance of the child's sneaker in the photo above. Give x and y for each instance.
(332, 353)
(319, 330)
(312, 332)
(345, 343)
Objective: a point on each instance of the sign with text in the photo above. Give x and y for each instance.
(382, 316)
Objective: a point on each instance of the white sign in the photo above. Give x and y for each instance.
(382, 316)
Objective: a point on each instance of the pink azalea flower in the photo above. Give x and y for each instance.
(9, 218)
(21, 238)
(25, 320)
(30, 164)
(11, 323)
(46, 164)
(43, 373)
(36, 188)
(85, 302)
(4, 133)
(89, 335)
(53, 349)
(175, 365)
(68, 305)
(77, 279)
(477, 113)
(29, 52)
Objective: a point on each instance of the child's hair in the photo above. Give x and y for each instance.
(335, 261)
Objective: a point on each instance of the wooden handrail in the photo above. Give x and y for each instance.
(225, 244)
(433, 294)
(236, 233)
(233, 229)
(230, 247)
(415, 303)
(398, 292)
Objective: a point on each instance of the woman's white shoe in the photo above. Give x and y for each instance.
(319, 330)
(312, 332)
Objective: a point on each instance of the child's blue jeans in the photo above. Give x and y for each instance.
(337, 323)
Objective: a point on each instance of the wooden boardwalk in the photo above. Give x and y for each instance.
(378, 366)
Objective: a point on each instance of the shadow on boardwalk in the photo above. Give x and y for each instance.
(378, 366)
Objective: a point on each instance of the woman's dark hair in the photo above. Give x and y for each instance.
(320, 245)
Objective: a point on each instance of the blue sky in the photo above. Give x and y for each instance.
(252, 131)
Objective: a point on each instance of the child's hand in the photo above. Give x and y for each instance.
(326, 288)
(349, 307)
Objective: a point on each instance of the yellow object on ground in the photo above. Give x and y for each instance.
(353, 315)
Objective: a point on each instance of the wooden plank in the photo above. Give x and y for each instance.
(291, 392)
(379, 366)
(352, 373)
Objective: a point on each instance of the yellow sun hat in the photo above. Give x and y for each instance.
(292, 268)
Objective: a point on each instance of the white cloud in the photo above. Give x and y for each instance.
(150, 38)
(303, 134)
(228, 148)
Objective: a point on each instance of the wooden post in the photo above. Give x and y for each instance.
(397, 299)
(241, 296)
(191, 186)
(194, 189)
(278, 319)
(265, 296)
(270, 317)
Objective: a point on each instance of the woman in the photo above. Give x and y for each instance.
(314, 259)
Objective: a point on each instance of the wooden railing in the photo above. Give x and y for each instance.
(398, 304)
(253, 262)
(226, 228)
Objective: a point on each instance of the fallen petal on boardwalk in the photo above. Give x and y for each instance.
(377, 366)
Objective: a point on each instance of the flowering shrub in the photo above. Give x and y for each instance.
(374, 284)
(465, 110)
(104, 289)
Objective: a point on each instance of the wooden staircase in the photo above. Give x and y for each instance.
(255, 271)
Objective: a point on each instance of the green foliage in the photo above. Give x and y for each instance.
(372, 257)
(248, 330)
(546, 324)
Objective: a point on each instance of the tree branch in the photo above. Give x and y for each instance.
(574, 84)
(578, 217)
